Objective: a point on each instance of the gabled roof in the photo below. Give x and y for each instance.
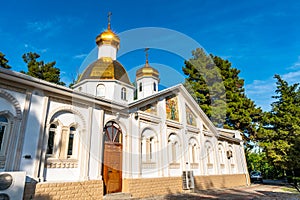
(177, 89)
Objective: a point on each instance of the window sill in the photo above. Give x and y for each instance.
(194, 165)
(61, 163)
(210, 165)
(149, 165)
(174, 165)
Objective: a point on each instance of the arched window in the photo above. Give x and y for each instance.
(123, 93)
(100, 92)
(209, 153)
(141, 87)
(221, 153)
(71, 140)
(50, 147)
(193, 151)
(61, 142)
(174, 148)
(112, 132)
(148, 146)
(154, 86)
(3, 130)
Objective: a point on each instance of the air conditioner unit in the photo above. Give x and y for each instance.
(188, 180)
(12, 185)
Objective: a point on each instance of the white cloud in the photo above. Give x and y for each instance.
(32, 48)
(40, 26)
(292, 77)
(296, 65)
(261, 91)
(80, 56)
(260, 86)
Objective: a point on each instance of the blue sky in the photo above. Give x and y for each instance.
(260, 38)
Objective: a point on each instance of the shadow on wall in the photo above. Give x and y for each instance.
(202, 183)
(29, 190)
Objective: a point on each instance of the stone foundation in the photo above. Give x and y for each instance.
(138, 188)
(148, 187)
(64, 190)
(220, 181)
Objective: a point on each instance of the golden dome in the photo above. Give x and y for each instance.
(147, 70)
(105, 69)
(108, 37)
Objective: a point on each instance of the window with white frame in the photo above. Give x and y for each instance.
(123, 93)
(50, 146)
(148, 149)
(173, 148)
(100, 91)
(221, 153)
(148, 146)
(231, 155)
(193, 150)
(209, 153)
(3, 132)
(71, 141)
(61, 142)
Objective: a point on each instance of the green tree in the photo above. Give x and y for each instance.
(41, 70)
(4, 61)
(205, 84)
(207, 76)
(280, 131)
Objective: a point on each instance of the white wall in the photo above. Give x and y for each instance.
(32, 134)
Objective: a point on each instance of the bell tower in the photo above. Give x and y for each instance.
(147, 79)
(108, 42)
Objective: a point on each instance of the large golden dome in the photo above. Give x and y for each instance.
(105, 69)
(147, 70)
(108, 37)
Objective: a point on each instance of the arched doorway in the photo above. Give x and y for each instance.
(112, 162)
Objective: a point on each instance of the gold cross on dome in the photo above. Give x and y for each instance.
(147, 54)
(109, 18)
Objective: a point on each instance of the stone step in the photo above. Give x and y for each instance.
(117, 196)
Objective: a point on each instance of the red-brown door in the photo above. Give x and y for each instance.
(112, 162)
(112, 169)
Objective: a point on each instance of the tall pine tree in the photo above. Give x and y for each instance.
(240, 111)
(41, 70)
(280, 133)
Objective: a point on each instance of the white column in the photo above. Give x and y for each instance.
(101, 146)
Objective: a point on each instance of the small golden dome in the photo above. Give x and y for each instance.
(105, 69)
(147, 70)
(108, 37)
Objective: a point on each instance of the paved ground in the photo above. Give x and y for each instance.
(253, 192)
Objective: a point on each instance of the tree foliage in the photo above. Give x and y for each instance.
(4, 61)
(205, 84)
(210, 78)
(280, 131)
(41, 70)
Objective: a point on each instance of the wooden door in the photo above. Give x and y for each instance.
(112, 169)
(112, 165)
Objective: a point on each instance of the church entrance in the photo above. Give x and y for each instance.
(112, 162)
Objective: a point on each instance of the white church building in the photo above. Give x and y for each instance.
(97, 139)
